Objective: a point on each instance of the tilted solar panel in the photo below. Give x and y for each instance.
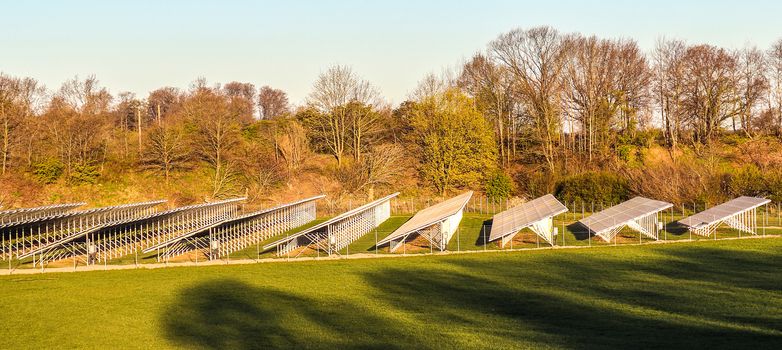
(723, 211)
(226, 221)
(524, 215)
(21, 214)
(622, 213)
(332, 220)
(429, 216)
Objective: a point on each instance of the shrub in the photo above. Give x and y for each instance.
(626, 153)
(498, 187)
(535, 183)
(597, 187)
(48, 171)
(745, 181)
(751, 181)
(83, 173)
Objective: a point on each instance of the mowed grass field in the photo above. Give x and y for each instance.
(724, 294)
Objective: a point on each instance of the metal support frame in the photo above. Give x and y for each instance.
(338, 235)
(744, 221)
(237, 235)
(438, 234)
(543, 228)
(45, 237)
(646, 225)
(18, 216)
(139, 236)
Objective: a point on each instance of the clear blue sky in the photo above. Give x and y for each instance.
(142, 45)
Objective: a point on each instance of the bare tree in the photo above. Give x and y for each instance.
(774, 55)
(272, 103)
(261, 169)
(537, 58)
(492, 87)
(331, 93)
(753, 85)
(382, 165)
(591, 72)
(77, 125)
(432, 84)
(163, 102)
(632, 80)
(242, 98)
(669, 88)
(218, 128)
(291, 143)
(710, 94)
(19, 100)
(166, 150)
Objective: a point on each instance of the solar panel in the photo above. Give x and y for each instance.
(524, 215)
(332, 220)
(104, 218)
(623, 213)
(723, 211)
(229, 220)
(429, 216)
(13, 215)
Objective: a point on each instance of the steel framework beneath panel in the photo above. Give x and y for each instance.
(639, 214)
(738, 213)
(39, 236)
(537, 214)
(138, 235)
(437, 224)
(234, 234)
(21, 216)
(338, 232)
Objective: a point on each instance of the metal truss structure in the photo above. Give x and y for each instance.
(335, 234)
(537, 215)
(234, 234)
(17, 216)
(37, 236)
(639, 214)
(437, 224)
(739, 213)
(132, 236)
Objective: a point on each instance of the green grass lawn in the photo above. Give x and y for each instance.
(724, 294)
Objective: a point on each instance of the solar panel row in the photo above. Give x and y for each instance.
(725, 210)
(622, 213)
(524, 215)
(429, 216)
(331, 221)
(15, 215)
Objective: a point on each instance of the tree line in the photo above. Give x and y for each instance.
(533, 108)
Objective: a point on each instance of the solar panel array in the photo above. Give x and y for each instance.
(332, 221)
(9, 217)
(227, 221)
(723, 211)
(525, 214)
(429, 216)
(622, 213)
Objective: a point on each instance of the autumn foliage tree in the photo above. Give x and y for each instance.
(453, 142)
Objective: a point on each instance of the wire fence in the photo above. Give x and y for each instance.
(472, 234)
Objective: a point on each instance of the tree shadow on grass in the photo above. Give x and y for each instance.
(577, 304)
(664, 297)
(228, 314)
